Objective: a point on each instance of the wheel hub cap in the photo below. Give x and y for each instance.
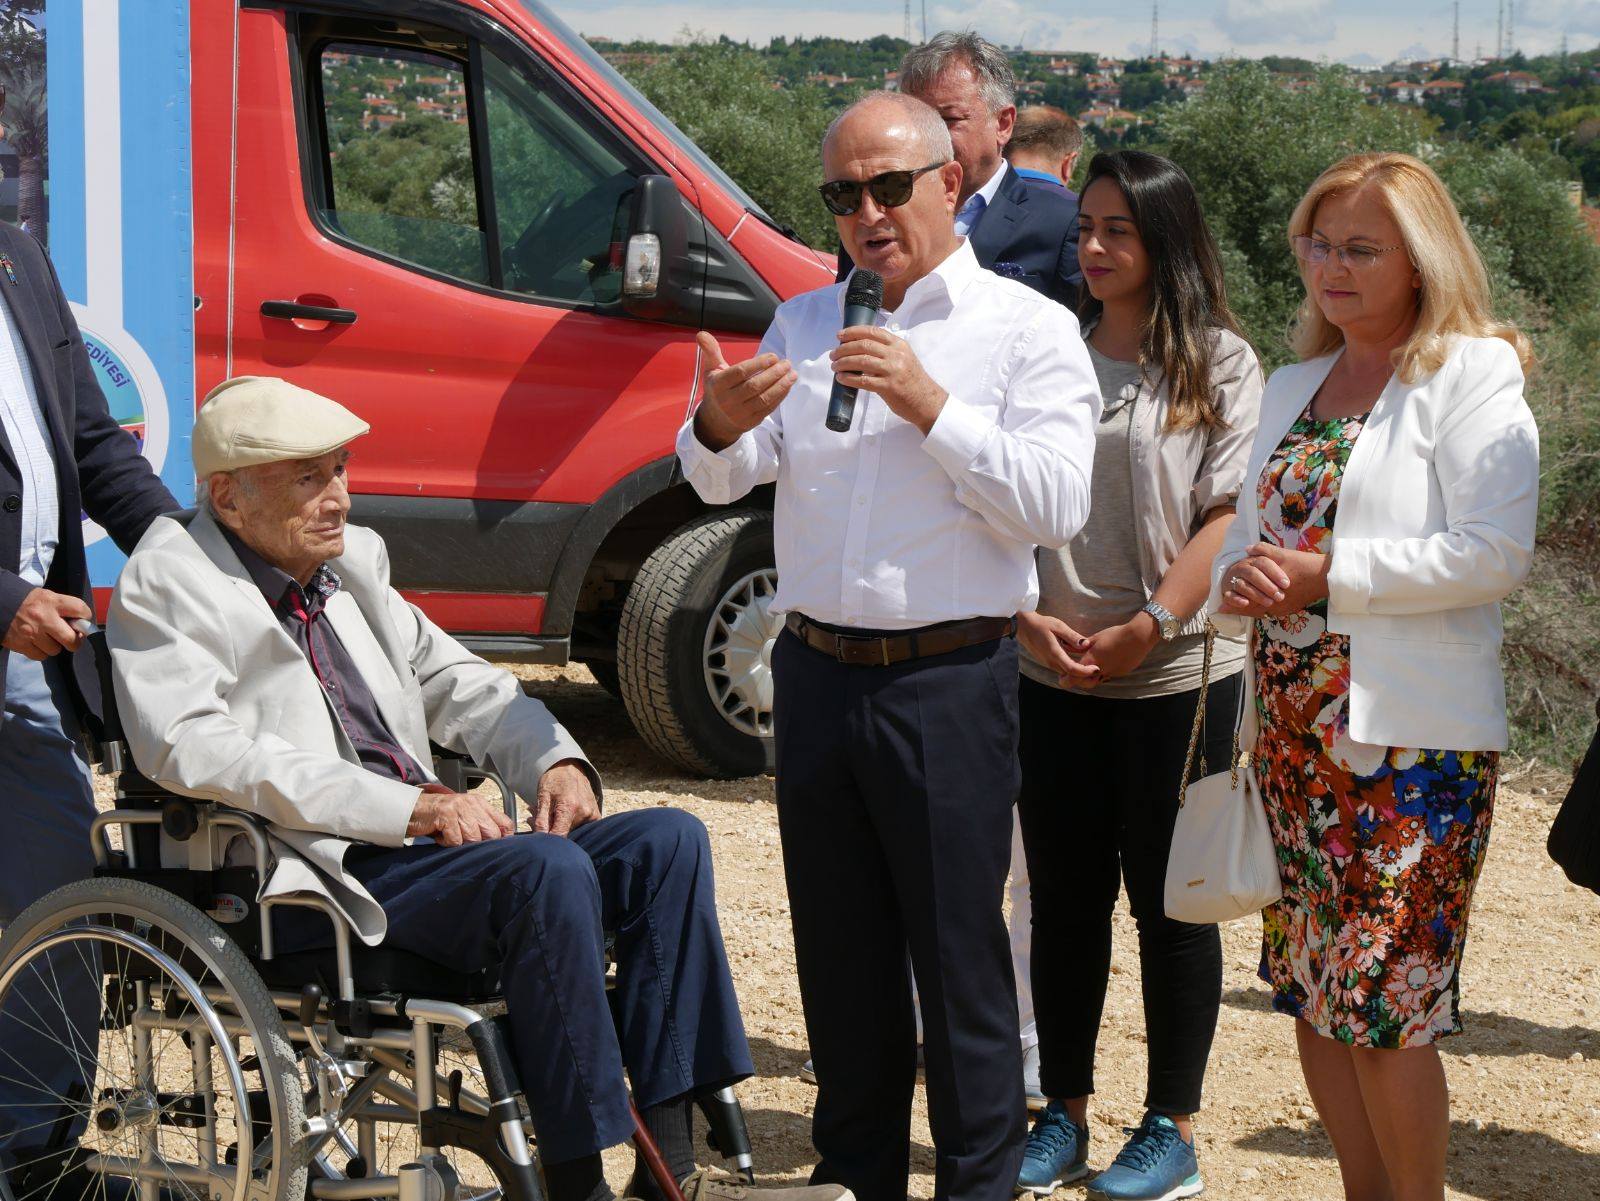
(738, 653)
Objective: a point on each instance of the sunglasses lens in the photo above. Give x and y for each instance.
(842, 196)
(892, 188)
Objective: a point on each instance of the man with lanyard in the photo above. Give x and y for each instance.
(904, 548)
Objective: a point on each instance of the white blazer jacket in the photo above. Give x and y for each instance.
(1435, 524)
(217, 702)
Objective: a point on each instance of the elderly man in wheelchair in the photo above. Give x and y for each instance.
(313, 969)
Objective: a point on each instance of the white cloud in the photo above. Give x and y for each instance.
(1254, 23)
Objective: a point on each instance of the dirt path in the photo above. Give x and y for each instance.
(1525, 1076)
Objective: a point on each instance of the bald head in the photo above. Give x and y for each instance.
(897, 116)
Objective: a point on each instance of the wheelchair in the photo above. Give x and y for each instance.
(224, 1071)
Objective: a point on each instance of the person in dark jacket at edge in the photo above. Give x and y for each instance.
(62, 457)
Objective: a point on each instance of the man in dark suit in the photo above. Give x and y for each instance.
(61, 456)
(1027, 233)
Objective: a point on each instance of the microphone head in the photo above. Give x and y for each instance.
(865, 290)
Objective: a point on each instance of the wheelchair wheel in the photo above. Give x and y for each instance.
(139, 1044)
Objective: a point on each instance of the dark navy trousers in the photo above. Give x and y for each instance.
(538, 906)
(895, 791)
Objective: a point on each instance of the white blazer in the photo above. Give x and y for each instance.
(1435, 524)
(217, 702)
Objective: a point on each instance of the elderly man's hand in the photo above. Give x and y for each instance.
(737, 398)
(454, 818)
(42, 626)
(878, 361)
(566, 800)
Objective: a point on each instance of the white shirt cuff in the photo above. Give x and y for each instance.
(709, 469)
(958, 436)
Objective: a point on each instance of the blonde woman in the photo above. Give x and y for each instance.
(1392, 492)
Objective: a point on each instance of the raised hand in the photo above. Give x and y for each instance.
(737, 397)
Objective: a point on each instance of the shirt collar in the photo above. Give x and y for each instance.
(950, 277)
(1041, 176)
(279, 588)
(991, 186)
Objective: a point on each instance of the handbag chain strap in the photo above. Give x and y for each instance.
(1199, 725)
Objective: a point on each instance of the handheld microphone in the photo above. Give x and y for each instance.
(862, 300)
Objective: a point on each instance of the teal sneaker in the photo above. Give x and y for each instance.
(1154, 1165)
(1057, 1152)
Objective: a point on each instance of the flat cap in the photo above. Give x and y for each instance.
(254, 419)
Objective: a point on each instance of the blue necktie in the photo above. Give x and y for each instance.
(969, 214)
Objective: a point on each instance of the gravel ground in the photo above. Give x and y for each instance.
(1524, 1076)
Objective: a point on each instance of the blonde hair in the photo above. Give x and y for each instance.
(1454, 298)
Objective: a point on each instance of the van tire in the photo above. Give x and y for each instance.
(661, 643)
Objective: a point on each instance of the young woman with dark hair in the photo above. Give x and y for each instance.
(1113, 663)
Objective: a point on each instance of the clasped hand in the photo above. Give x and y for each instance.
(565, 801)
(1273, 581)
(1085, 661)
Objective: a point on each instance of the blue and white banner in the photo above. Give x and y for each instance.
(121, 219)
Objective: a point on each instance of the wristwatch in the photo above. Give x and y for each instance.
(1166, 621)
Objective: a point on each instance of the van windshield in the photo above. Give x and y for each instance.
(559, 29)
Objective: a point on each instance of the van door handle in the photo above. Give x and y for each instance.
(293, 310)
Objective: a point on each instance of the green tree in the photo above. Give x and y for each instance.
(767, 136)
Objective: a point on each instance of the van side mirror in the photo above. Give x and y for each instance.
(659, 279)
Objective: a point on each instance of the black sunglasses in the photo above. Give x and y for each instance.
(891, 190)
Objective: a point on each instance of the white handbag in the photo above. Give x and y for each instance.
(1223, 864)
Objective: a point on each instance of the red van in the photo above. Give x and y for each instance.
(457, 219)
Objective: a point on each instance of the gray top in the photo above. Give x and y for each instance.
(1096, 581)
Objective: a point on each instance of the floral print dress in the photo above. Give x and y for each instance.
(1379, 847)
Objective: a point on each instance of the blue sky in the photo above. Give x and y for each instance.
(1354, 31)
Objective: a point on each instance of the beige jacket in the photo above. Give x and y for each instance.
(217, 702)
(1179, 477)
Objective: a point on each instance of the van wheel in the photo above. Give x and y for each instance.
(694, 650)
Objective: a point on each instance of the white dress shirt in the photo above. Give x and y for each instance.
(979, 201)
(884, 528)
(29, 438)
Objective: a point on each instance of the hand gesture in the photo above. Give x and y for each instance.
(1272, 581)
(874, 359)
(42, 626)
(1052, 642)
(566, 800)
(454, 818)
(737, 398)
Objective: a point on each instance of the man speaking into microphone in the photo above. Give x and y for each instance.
(904, 548)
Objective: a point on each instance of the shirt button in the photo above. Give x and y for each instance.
(13, 502)
(860, 501)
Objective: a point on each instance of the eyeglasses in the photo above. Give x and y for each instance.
(1354, 256)
(890, 190)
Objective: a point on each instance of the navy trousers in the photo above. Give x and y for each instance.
(895, 791)
(538, 906)
(52, 1022)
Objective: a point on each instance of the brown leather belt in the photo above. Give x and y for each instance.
(868, 651)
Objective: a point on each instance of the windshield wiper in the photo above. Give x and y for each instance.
(782, 229)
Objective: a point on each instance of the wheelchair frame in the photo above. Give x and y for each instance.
(358, 1047)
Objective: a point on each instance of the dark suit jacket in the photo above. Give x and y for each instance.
(1029, 233)
(99, 469)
